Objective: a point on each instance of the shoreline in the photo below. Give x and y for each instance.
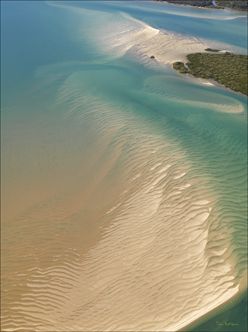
(224, 68)
(219, 310)
(125, 194)
(164, 48)
(212, 6)
(208, 82)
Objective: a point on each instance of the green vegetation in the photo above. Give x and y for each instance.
(180, 66)
(233, 4)
(230, 70)
(198, 3)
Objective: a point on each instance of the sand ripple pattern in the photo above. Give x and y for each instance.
(160, 260)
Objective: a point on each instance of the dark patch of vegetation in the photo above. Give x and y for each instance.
(233, 4)
(212, 50)
(198, 3)
(180, 66)
(230, 70)
(152, 57)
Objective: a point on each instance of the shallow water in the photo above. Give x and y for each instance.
(123, 183)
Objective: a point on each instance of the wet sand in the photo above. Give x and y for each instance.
(122, 222)
(149, 237)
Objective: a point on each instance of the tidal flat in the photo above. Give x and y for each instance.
(124, 184)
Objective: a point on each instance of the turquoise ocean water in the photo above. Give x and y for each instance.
(84, 123)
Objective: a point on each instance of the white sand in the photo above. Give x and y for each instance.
(144, 41)
(168, 47)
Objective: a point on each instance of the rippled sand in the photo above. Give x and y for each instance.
(132, 246)
(109, 222)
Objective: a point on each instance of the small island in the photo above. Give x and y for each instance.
(226, 68)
